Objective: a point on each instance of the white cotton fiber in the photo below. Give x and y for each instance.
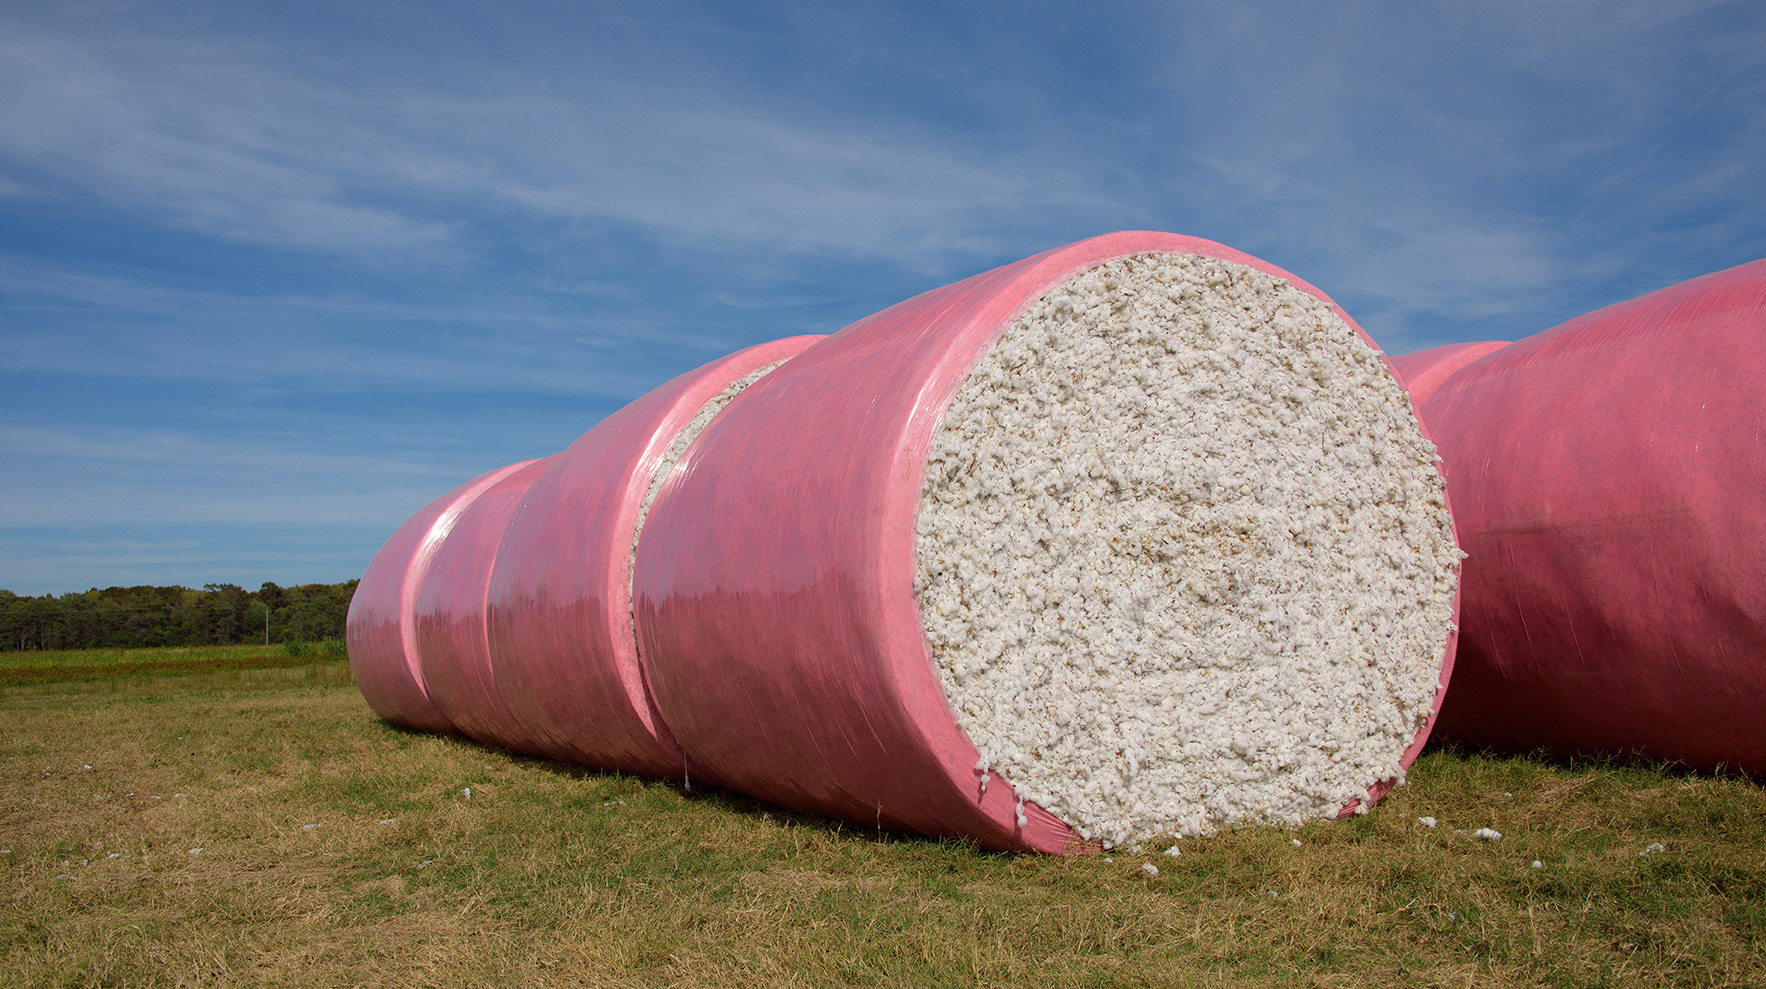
(1184, 559)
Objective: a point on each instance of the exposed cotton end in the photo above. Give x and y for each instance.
(1184, 559)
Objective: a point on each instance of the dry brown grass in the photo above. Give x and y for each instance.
(543, 878)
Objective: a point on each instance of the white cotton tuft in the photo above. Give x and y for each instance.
(1150, 869)
(1184, 559)
(1487, 834)
(1427, 822)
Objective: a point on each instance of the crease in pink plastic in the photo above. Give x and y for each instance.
(774, 598)
(448, 615)
(558, 605)
(385, 656)
(545, 547)
(1422, 372)
(1606, 476)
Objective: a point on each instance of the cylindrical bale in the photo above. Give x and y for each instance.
(449, 615)
(382, 626)
(1423, 371)
(559, 600)
(1070, 551)
(1606, 478)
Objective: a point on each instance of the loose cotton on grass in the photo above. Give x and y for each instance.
(1184, 556)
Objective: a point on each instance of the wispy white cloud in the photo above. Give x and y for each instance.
(203, 335)
(196, 133)
(120, 475)
(224, 137)
(59, 559)
(564, 205)
(1485, 164)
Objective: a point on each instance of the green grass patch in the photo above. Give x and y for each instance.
(45, 666)
(333, 849)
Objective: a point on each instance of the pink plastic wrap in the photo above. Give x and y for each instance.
(1424, 371)
(775, 603)
(451, 645)
(1606, 479)
(382, 624)
(559, 599)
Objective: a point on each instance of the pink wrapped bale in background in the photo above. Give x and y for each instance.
(559, 602)
(382, 626)
(1606, 479)
(451, 644)
(1423, 371)
(502, 610)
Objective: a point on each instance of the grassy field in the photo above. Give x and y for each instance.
(261, 827)
(45, 666)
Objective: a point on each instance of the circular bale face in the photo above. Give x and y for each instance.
(1184, 559)
(853, 599)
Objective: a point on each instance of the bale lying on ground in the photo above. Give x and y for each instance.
(502, 609)
(1606, 474)
(1137, 537)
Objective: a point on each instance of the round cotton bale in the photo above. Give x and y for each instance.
(1423, 371)
(1606, 477)
(1134, 538)
(449, 615)
(382, 627)
(558, 604)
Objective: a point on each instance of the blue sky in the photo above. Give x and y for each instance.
(272, 276)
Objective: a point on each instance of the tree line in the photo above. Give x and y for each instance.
(134, 617)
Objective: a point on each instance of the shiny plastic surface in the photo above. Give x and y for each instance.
(449, 615)
(1606, 478)
(774, 593)
(382, 627)
(559, 599)
(1423, 371)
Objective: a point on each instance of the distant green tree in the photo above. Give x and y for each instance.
(129, 617)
